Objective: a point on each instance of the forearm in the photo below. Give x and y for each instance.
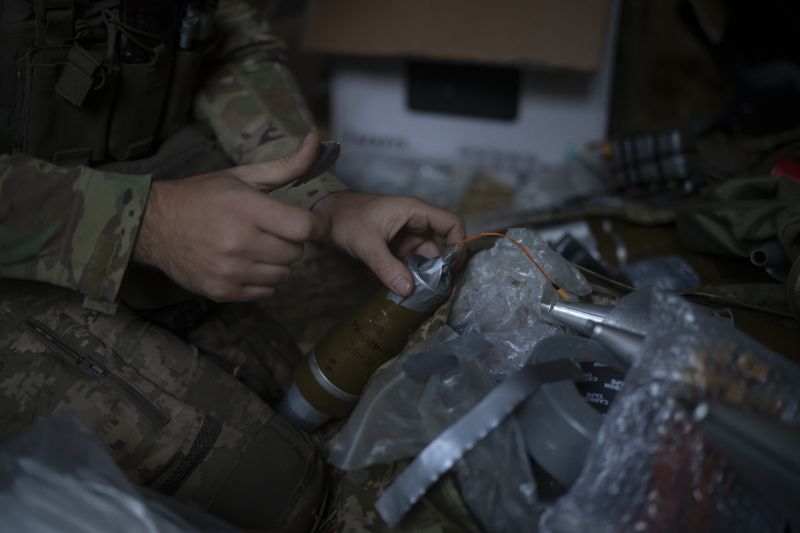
(73, 227)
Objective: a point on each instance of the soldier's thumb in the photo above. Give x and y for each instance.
(391, 271)
(279, 172)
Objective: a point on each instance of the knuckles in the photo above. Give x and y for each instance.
(303, 227)
(219, 292)
(232, 243)
(226, 269)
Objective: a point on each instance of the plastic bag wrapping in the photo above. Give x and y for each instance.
(410, 402)
(509, 500)
(502, 289)
(57, 476)
(500, 298)
(495, 477)
(386, 425)
(651, 468)
(511, 349)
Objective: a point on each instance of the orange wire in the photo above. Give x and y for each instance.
(561, 292)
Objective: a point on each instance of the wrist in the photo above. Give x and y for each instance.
(325, 205)
(144, 247)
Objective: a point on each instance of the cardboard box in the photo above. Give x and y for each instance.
(503, 85)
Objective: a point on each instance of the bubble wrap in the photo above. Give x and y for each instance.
(651, 468)
(500, 295)
(502, 289)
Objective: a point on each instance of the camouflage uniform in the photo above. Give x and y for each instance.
(172, 418)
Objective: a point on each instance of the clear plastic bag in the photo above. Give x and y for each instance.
(387, 423)
(410, 402)
(651, 468)
(57, 476)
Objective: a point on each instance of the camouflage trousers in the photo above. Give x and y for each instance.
(172, 419)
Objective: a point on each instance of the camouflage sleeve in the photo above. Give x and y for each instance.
(251, 100)
(73, 227)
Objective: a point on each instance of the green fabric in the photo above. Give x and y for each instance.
(170, 416)
(742, 213)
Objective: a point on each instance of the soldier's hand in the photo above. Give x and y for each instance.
(378, 229)
(221, 236)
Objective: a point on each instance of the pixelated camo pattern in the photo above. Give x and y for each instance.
(143, 391)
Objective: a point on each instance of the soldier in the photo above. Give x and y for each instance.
(100, 173)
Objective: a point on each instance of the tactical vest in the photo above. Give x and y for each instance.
(86, 81)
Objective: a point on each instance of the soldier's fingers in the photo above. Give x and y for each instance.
(428, 249)
(405, 243)
(269, 249)
(282, 220)
(273, 174)
(444, 224)
(420, 244)
(372, 249)
(255, 292)
(262, 275)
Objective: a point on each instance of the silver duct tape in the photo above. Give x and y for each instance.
(432, 281)
(451, 445)
(557, 423)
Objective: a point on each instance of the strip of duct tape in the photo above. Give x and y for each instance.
(327, 384)
(433, 282)
(451, 445)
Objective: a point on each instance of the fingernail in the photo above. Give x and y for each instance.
(401, 285)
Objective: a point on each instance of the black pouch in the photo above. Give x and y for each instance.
(67, 103)
(140, 100)
(184, 80)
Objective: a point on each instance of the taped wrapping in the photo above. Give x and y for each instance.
(433, 282)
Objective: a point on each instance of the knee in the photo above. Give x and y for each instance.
(277, 484)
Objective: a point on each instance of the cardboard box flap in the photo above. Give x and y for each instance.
(557, 33)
